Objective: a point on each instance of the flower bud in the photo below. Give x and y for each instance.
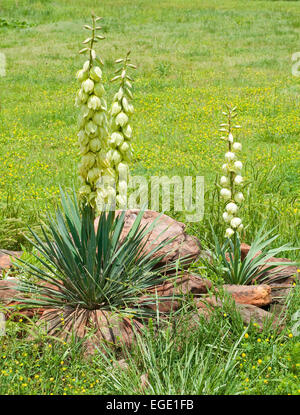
(224, 181)
(115, 108)
(231, 208)
(86, 66)
(130, 109)
(239, 197)
(124, 147)
(225, 193)
(235, 222)
(81, 75)
(82, 137)
(227, 217)
(110, 172)
(84, 149)
(238, 180)
(88, 86)
(102, 159)
(95, 145)
(127, 131)
(225, 168)
(229, 156)
(103, 104)
(94, 102)
(116, 157)
(94, 174)
(117, 138)
(237, 146)
(121, 119)
(88, 160)
(91, 198)
(96, 73)
(121, 201)
(230, 137)
(85, 111)
(99, 118)
(82, 96)
(120, 94)
(240, 228)
(99, 90)
(229, 232)
(125, 104)
(90, 128)
(238, 165)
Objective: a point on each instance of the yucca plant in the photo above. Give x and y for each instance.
(226, 260)
(82, 269)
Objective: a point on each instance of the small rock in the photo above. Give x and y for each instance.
(5, 258)
(248, 312)
(8, 290)
(258, 295)
(251, 313)
(280, 292)
(121, 364)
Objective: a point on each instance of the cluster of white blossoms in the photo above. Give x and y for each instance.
(232, 180)
(120, 148)
(92, 121)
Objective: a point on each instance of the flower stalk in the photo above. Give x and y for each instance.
(92, 121)
(232, 179)
(120, 148)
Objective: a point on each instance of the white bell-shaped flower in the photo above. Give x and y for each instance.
(238, 179)
(88, 86)
(225, 193)
(224, 181)
(237, 146)
(229, 156)
(231, 208)
(235, 222)
(229, 232)
(239, 197)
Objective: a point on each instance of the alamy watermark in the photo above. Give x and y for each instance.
(296, 325)
(2, 324)
(2, 64)
(296, 64)
(159, 193)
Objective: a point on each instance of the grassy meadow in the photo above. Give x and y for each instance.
(193, 56)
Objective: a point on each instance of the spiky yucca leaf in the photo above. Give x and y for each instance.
(226, 259)
(91, 269)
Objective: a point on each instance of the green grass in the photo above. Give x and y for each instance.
(192, 58)
(217, 357)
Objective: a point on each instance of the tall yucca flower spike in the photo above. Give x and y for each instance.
(231, 180)
(92, 121)
(120, 152)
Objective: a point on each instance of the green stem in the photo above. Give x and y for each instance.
(92, 42)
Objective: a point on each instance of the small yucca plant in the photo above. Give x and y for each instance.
(226, 259)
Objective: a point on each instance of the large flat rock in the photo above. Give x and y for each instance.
(183, 245)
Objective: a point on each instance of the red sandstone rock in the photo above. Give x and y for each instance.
(258, 295)
(5, 258)
(183, 245)
(8, 290)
